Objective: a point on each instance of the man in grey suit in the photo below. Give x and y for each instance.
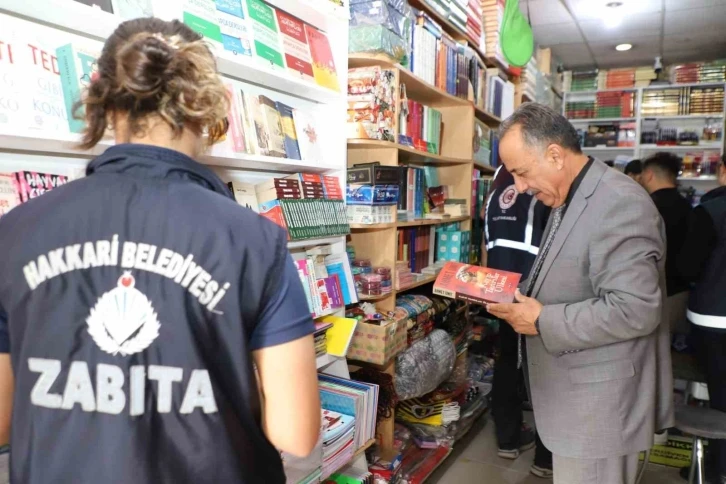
(597, 355)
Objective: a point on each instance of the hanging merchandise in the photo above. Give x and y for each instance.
(425, 365)
(516, 36)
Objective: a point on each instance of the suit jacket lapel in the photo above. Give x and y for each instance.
(572, 215)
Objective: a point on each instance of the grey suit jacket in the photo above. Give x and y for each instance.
(600, 372)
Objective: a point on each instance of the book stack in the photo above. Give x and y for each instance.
(493, 12)
(619, 78)
(474, 76)
(474, 26)
(404, 276)
(500, 94)
(338, 440)
(355, 399)
(457, 14)
(21, 186)
(372, 99)
(583, 80)
(698, 72)
(321, 339)
(644, 76)
(420, 127)
(414, 247)
(327, 280)
(614, 104)
(306, 205)
(682, 101)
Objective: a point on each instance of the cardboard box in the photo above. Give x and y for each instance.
(378, 344)
(453, 246)
(371, 214)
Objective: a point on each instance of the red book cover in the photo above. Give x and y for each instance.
(475, 284)
(295, 46)
(323, 64)
(273, 211)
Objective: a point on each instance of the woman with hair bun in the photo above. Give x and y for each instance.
(151, 329)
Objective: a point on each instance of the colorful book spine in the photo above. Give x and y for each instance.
(295, 46)
(271, 117)
(288, 128)
(233, 27)
(8, 194)
(77, 69)
(322, 56)
(266, 37)
(236, 131)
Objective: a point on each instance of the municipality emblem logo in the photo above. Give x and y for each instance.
(123, 321)
(508, 197)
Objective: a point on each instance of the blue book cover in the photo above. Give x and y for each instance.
(288, 129)
(77, 68)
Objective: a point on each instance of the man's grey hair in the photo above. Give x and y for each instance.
(542, 126)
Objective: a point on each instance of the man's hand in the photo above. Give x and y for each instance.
(520, 315)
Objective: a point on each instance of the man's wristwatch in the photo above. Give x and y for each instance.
(536, 325)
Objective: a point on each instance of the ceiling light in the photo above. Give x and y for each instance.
(623, 47)
(612, 15)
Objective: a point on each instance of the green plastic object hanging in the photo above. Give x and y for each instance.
(516, 35)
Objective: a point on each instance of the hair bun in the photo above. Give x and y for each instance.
(144, 65)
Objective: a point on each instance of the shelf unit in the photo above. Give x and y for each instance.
(691, 121)
(455, 168)
(49, 150)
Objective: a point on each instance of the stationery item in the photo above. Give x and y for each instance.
(340, 335)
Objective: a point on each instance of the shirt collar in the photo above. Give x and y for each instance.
(146, 161)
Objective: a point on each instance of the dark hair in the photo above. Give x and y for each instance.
(151, 66)
(635, 167)
(610, 163)
(723, 159)
(541, 126)
(665, 164)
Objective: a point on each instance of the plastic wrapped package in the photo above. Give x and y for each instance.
(425, 365)
(381, 12)
(376, 39)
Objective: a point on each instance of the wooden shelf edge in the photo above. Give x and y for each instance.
(420, 283)
(376, 298)
(409, 223)
(487, 118)
(364, 447)
(430, 158)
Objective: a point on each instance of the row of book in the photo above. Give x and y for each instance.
(414, 247)
(327, 280)
(259, 125)
(250, 29)
(295, 186)
(420, 127)
(442, 62)
(21, 186)
(465, 15)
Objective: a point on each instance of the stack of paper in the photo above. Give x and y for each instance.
(338, 441)
(352, 398)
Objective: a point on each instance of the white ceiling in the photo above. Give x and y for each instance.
(678, 30)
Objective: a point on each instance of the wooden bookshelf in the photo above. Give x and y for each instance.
(406, 153)
(419, 283)
(487, 118)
